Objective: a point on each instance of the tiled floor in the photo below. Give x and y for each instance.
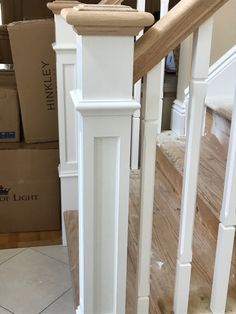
(35, 281)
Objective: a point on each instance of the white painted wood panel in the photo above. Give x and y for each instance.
(65, 48)
(151, 116)
(135, 131)
(112, 73)
(105, 107)
(223, 260)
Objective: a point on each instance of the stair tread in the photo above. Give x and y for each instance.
(166, 218)
(211, 169)
(223, 106)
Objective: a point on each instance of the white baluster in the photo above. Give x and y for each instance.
(180, 106)
(105, 104)
(157, 92)
(150, 117)
(200, 68)
(151, 125)
(226, 231)
(65, 47)
(135, 132)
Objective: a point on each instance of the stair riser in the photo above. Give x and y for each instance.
(221, 128)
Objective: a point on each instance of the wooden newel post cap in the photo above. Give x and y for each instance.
(107, 19)
(57, 6)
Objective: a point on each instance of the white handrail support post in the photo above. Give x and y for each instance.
(151, 116)
(105, 107)
(226, 231)
(135, 134)
(198, 88)
(179, 111)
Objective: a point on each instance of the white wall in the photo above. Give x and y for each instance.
(224, 30)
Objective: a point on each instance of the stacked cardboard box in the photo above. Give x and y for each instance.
(29, 197)
(9, 108)
(29, 184)
(34, 61)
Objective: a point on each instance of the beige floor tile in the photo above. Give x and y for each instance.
(63, 305)
(30, 281)
(6, 254)
(58, 252)
(3, 311)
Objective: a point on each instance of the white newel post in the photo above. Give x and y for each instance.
(104, 102)
(198, 89)
(65, 48)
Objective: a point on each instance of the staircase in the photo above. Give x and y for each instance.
(169, 175)
(103, 127)
(170, 159)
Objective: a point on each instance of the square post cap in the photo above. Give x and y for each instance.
(58, 5)
(107, 19)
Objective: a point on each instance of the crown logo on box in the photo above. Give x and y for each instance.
(4, 191)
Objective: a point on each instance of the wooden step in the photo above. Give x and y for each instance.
(166, 217)
(222, 106)
(170, 158)
(220, 109)
(29, 239)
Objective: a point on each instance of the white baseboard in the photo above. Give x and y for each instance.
(178, 117)
(69, 196)
(143, 305)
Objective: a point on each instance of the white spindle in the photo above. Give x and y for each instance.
(135, 131)
(150, 116)
(105, 104)
(226, 231)
(65, 47)
(151, 125)
(179, 111)
(200, 68)
(157, 92)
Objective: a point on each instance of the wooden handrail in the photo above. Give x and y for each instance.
(170, 31)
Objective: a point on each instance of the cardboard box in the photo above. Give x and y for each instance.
(29, 188)
(9, 115)
(35, 70)
(5, 49)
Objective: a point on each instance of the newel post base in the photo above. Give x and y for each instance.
(103, 100)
